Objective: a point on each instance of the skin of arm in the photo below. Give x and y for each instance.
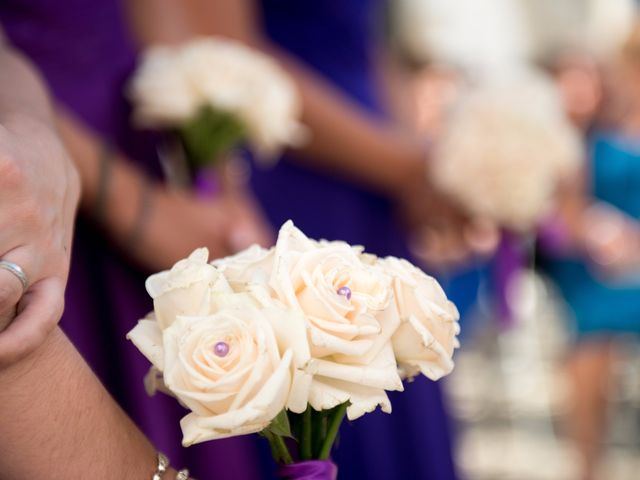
(58, 422)
(39, 190)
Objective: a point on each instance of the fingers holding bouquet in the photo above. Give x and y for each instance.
(181, 220)
(442, 234)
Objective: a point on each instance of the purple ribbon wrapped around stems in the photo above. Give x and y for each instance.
(509, 261)
(309, 470)
(514, 254)
(207, 183)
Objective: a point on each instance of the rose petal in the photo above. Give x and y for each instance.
(380, 373)
(328, 393)
(299, 395)
(147, 337)
(324, 344)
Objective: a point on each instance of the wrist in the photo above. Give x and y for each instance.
(123, 201)
(412, 169)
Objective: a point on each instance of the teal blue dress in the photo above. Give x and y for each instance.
(599, 307)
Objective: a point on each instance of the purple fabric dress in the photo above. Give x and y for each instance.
(84, 53)
(337, 39)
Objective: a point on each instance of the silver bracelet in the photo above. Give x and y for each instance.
(163, 465)
(183, 475)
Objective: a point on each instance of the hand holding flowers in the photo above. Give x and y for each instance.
(506, 148)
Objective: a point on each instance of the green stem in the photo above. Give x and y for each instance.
(279, 448)
(319, 430)
(332, 432)
(305, 444)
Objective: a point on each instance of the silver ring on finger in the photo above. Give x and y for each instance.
(16, 270)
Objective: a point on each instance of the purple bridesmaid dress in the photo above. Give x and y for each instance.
(337, 39)
(85, 54)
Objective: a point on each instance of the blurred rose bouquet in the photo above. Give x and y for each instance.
(216, 94)
(507, 147)
(286, 341)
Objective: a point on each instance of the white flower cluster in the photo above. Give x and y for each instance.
(506, 147)
(303, 323)
(476, 35)
(173, 83)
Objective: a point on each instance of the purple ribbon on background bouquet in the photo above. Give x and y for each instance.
(309, 470)
(509, 260)
(207, 183)
(513, 255)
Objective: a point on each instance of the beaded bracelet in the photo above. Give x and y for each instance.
(163, 465)
(183, 475)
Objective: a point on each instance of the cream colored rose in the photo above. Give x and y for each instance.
(225, 367)
(252, 265)
(161, 92)
(234, 78)
(249, 271)
(186, 289)
(425, 340)
(349, 315)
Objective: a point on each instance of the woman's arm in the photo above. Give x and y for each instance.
(176, 222)
(605, 236)
(57, 422)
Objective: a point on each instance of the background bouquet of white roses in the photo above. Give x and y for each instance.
(288, 340)
(507, 147)
(217, 94)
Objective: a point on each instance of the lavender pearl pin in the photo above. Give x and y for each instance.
(221, 349)
(345, 292)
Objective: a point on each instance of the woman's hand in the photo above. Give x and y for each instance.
(441, 234)
(180, 222)
(39, 190)
(611, 240)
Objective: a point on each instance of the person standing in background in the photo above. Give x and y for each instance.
(340, 44)
(597, 275)
(130, 223)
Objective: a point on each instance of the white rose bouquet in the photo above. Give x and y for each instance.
(507, 147)
(286, 341)
(216, 94)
